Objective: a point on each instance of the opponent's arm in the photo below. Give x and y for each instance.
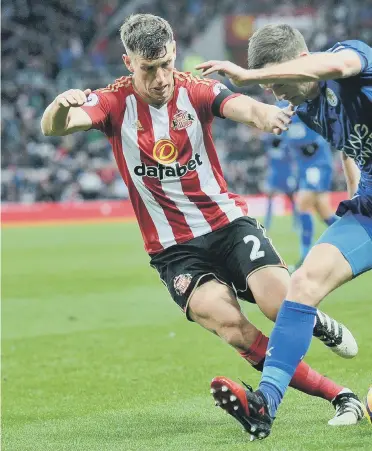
(268, 118)
(352, 174)
(314, 67)
(64, 115)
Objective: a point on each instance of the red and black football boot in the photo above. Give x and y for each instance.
(246, 406)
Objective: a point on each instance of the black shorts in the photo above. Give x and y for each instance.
(229, 254)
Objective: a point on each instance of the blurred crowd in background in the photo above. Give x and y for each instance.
(49, 46)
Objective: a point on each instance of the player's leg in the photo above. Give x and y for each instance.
(269, 209)
(343, 251)
(322, 202)
(214, 306)
(305, 204)
(260, 275)
(269, 286)
(295, 219)
(324, 208)
(201, 290)
(269, 282)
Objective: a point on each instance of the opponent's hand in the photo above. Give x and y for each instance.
(72, 98)
(235, 73)
(278, 119)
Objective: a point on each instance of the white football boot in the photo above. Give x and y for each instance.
(335, 336)
(349, 410)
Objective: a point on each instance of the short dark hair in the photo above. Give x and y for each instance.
(146, 35)
(274, 44)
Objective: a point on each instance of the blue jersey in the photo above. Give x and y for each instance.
(342, 113)
(307, 147)
(279, 158)
(279, 177)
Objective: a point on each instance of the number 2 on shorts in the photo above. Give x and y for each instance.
(255, 252)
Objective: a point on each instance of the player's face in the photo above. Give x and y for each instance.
(295, 93)
(153, 79)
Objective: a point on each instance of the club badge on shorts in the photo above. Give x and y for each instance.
(181, 283)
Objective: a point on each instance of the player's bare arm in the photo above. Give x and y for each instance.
(64, 115)
(315, 67)
(352, 174)
(268, 118)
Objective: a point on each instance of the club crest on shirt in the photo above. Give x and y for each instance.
(182, 119)
(331, 97)
(181, 283)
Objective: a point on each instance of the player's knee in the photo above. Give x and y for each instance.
(269, 287)
(271, 308)
(305, 284)
(303, 205)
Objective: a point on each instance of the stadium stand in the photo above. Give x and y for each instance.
(36, 63)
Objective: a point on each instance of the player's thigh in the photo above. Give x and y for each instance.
(250, 253)
(323, 270)
(305, 200)
(269, 286)
(343, 252)
(213, 304)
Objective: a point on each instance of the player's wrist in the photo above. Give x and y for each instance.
(261, 113)
(242, 78)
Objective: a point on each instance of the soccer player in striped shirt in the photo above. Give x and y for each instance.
(206, 249)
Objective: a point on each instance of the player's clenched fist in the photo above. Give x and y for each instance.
(72, 98)
(278, 119)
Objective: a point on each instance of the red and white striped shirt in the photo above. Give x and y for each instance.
(167, 159)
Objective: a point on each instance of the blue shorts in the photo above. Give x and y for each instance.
(315, 178)
(352, 233)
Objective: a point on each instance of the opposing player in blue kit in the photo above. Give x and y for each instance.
(280, 177)
(333, 94)
(313, 158)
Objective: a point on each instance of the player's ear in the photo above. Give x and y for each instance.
(174, 49)
(127, 62)
(304, 53)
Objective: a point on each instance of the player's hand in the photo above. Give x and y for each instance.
(235, 73)
(278, 119)
(72, 98)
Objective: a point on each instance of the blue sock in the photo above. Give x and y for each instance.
(269, 213)
(307, 233)
(289, 342)
(331, 220)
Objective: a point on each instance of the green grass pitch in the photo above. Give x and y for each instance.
(97, 357)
